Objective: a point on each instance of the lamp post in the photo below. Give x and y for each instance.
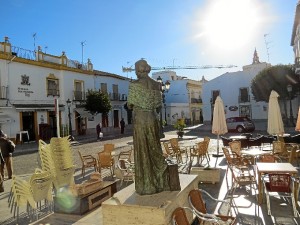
(164, 88)
(69, 102)
(290, 89)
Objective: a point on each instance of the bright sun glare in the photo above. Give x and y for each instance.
(230, 24)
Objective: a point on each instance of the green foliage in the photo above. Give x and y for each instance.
(274, 78)
(180, 125)
(97, 102)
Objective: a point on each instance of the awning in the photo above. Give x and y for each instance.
(83, 113)
(36, 107)
(5, 119)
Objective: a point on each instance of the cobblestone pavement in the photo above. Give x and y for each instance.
(26, 159)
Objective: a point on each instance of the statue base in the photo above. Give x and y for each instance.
(128, 208)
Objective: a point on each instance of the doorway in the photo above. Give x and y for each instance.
(28, 124)
(116, 118)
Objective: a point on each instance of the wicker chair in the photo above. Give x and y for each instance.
(105, 159)
(87, 161)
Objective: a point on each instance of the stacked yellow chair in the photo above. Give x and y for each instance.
(57, 158)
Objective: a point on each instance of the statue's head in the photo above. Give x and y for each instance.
(142, 68)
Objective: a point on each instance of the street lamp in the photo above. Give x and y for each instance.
(290, 89)
(164, 88)
(69, 102)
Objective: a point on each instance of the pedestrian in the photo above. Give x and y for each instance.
(98, 130)
(122, 124)
(7, 149)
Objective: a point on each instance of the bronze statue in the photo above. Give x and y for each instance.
(151, 169)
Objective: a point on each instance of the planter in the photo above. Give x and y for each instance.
(180, 134)
(211, 175)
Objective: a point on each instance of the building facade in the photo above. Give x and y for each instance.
(235, 90)
(183, 99)
(32, 81)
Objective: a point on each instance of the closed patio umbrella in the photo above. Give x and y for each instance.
(297, 128)
(219, 125)
(275, 124)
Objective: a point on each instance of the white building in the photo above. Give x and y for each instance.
(295, 40)
(235, 90)
(183, 99)
(30, 82)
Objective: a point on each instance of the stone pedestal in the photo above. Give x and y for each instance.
(128, 208)
(211, 175)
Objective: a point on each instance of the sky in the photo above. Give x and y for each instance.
(179, 33)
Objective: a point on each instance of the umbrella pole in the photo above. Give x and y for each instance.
(218, 154)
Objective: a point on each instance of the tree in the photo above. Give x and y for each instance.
(97, 102)
(274, 78)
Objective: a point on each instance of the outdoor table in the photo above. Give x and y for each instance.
(188, 146)
(254, 152)
(264, 168)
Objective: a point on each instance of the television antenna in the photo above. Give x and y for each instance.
(34, 35)
(83, 43)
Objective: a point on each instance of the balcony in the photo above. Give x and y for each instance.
(244, 98)
(53, 92)
(79, 96)
(114, 96)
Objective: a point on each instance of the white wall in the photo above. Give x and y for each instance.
(229, 85)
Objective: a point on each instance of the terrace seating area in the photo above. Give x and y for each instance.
(233, 188)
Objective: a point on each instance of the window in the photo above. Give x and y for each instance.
(115, 92)
(244, 95)
(79, 90)
(52, 85)
(103, 87)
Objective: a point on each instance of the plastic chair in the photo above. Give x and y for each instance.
(87, 161)
(126, 170)
(197, 203)
(58, 159)
(283, 185)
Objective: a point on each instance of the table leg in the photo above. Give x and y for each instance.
(259, 188)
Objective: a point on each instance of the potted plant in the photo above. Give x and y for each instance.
(179, 126)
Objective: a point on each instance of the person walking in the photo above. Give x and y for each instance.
(98, 130)
(7, 149)
(122, 124)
